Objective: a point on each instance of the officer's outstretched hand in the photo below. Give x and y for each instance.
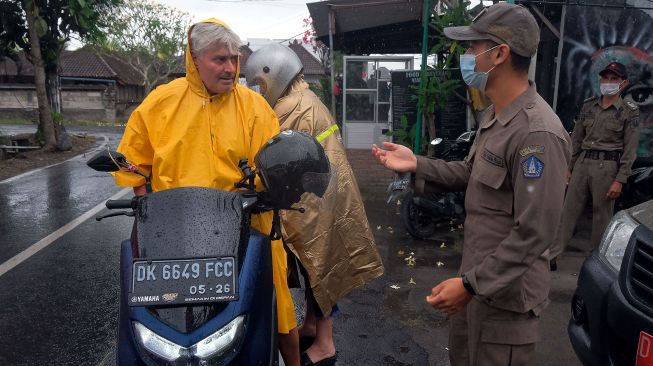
(450, 296)
(395, 157)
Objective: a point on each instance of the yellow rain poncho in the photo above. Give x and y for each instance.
(185, 137)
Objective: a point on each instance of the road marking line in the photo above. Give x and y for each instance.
(36, 247)
(14, 178)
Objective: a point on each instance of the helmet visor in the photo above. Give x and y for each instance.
(316, 183)
(320, 191)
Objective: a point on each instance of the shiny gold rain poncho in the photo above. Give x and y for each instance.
(332, 239)
(186, 137)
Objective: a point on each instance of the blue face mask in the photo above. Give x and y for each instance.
(472, 78)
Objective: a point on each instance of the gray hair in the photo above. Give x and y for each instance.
(204, 36)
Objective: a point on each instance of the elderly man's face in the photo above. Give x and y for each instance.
(217, 68)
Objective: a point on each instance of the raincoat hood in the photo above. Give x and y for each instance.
(186, 137)
(192, 75)
(183, 137)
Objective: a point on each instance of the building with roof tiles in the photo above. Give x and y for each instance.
(313, 69)
(93, 87)
(99, 86)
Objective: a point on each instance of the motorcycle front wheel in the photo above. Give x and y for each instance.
(417, 221)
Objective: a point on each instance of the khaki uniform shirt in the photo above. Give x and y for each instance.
(515, 179)
(615, 128)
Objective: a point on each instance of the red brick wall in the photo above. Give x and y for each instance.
(371, 176)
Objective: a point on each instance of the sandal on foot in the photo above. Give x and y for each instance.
(306, 361)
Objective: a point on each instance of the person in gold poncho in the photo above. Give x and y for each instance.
(194, 130)
(332, 238)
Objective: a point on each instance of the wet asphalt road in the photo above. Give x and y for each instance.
(60, 306)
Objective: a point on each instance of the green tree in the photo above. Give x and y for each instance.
(434, 91)
(151, 37)
(41, 28)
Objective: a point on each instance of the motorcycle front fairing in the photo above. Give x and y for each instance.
(189, 225)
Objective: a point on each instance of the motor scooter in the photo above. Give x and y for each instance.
(196, 280)
(421, 214)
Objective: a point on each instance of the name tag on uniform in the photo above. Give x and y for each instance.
(493, 158)
(532, 167)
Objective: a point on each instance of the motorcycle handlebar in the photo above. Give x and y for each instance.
(119, 204)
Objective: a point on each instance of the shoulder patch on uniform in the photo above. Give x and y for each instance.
(631, 105)
(532, 168)
(634, 121)
(493, 158)
(532, 149)
(590, 99)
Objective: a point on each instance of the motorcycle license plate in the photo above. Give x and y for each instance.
(645, 350)
(183, 281)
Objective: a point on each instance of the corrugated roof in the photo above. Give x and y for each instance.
(370, 26)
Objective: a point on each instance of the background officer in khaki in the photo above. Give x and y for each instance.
(513, 200)
(605, 140)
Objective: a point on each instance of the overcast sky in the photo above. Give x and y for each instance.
(275, 19)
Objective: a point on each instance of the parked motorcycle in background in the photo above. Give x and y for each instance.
(421, 215)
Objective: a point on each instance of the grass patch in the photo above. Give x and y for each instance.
(15, 121)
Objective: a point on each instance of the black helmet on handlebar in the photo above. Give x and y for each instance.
(290, 164)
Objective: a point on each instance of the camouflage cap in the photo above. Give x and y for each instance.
(505, 23)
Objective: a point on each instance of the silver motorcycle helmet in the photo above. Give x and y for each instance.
(271, 69)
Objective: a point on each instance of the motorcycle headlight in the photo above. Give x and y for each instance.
(615, 239)
(157, 345)
(219, 341)
(209, 347)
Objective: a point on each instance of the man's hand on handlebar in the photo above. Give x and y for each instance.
(140, 191)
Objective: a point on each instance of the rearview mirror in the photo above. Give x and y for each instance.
(107, 161)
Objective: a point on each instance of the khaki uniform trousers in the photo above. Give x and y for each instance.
(589, 178)
(481, 335)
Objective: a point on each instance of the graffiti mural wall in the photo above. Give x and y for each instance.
(597, 35)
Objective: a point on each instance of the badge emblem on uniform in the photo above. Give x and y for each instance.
(532, 167)
(533, 149)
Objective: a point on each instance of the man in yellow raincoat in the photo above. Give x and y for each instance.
(194, 130)
(332, 238)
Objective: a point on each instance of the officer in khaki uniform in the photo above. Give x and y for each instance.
(605, 139)
(513, 200)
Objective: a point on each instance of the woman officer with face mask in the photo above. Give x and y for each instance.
(604, 144)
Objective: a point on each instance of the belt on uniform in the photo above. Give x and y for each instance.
(601, 154)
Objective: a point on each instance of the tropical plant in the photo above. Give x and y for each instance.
(437, 83)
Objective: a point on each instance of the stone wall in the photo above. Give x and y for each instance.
(79, 102)
(372, 178)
